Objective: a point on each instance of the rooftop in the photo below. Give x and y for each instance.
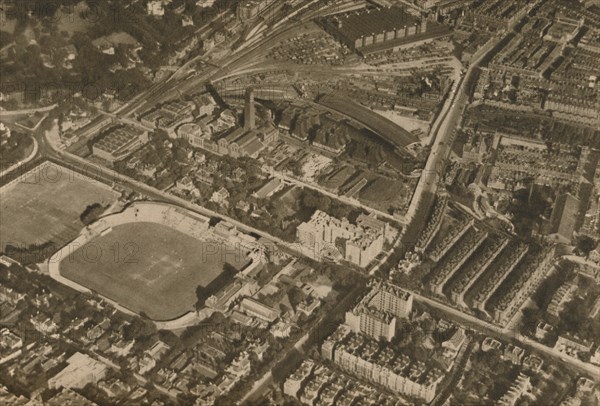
(117, 139)
(358, 24)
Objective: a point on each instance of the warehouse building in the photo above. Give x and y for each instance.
(371, 29)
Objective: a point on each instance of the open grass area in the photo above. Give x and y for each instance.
(150, 268)
(17, 148)
(46, 204)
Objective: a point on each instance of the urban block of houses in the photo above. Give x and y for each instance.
(572, 346)
(560, 298)
(294, 382)
(10, 343)
(362, 356)
(521, 386)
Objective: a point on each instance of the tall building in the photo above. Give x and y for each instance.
(392, 299)
(249, 113)
(375, 324)
(377, 313)
(362, 242)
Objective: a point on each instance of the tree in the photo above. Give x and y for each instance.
(585, 244)
(91, 213)
(296, 296)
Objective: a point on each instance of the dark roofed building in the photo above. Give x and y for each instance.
(241, 142)
(332, 137)
(361, 29)
(565, 216)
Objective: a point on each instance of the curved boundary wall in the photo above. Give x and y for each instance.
(182, 220)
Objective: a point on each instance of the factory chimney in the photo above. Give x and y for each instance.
(249, 113)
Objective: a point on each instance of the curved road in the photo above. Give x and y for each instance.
(22, 162)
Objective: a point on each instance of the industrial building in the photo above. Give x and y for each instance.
(119, 143)
(250, 9)
(366, 30)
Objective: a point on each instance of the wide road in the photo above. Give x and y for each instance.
(111, 177)
(10, 113)
(429, 182)
(443, 130)
(341, 198)
(316, 333)
(484, 327)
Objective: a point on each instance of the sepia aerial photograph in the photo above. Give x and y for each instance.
(300, 202)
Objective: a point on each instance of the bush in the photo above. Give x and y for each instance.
(91, 213)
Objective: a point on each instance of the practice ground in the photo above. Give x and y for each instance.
(149, 268)
(45, 206)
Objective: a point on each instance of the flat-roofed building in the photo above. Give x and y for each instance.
(81, 370)
(119, 143)
(372, 27)
(261, 311)
(269, 188)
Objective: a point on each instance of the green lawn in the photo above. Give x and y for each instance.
(45, 206)
(149, 267)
